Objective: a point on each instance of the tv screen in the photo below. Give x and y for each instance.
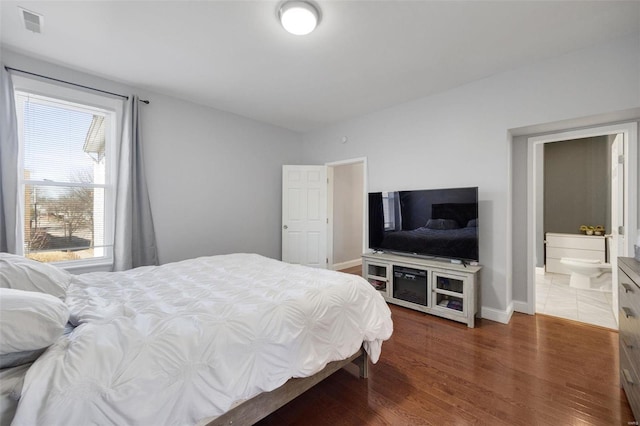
(430, 222)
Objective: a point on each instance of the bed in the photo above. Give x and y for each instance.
(192, 342)
(459, 243)
(441, 229)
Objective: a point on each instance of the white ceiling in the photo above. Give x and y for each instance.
(364, 55)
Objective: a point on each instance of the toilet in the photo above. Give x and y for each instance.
(585, 272)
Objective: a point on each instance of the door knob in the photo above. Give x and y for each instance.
(285, 227)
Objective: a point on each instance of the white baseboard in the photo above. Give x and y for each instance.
(497, 315)
(345, 265)
(522, 307)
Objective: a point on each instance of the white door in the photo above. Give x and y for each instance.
(617, 239)
(304, 215)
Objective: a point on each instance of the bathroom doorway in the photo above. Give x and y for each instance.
(549, 289)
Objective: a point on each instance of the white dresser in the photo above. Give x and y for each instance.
(576, 246)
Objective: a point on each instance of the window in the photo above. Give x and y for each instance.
(389, 200)
(67, 154)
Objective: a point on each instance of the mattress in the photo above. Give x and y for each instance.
(11, 381)
(175, 343)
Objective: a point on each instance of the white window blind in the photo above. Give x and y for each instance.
(66, 184)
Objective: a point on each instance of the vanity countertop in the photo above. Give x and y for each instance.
(631, 267)
(558, 234)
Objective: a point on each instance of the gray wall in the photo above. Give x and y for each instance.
(576, 184)
(210, 196)
(461, 138)
(347, 212)
(214, 178)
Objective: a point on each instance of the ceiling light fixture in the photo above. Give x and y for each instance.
(298, 17)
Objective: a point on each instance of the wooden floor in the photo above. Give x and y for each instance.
(536, 370)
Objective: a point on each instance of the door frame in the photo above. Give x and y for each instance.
(535, 174)
(365, 186)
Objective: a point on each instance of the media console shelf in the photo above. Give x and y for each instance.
(435, 287)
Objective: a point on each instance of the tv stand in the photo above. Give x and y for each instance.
(436, 287)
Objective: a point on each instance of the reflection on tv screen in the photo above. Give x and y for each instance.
(432, 223)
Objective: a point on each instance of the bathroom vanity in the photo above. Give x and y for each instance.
(576, 246)
(629, 330)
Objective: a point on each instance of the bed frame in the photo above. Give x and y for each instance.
(260, 406)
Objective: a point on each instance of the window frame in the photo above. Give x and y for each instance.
(112, 108)
(389, 210)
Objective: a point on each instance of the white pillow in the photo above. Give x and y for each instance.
(20, 273)
(30, 320)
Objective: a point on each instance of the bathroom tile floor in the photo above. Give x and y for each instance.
(555, 297)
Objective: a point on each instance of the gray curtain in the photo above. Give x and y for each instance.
(10, 209)
(134, 240)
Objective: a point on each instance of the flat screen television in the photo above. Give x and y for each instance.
(440, 223)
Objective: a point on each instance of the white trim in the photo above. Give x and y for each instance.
(330, 183)
(630, 130)
(497, 315)
(84, 266)
(509, 229)
(347, 162)
(365, 186)
(112, 109)
(64, 184)
(68, 95)
(522, 307)
(348, 264)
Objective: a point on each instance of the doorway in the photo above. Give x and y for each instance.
(323, 214)
(346, 204)
(626, 207)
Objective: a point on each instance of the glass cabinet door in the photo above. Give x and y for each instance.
(377, 277)
(448, 293)
(448, 283)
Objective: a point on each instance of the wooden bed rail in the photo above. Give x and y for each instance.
(259, 407)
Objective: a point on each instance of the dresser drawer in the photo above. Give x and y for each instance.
(628, 293)
(629, 332)
(629, 316)
(630, 383)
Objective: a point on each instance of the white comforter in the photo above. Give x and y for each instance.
(179, 342)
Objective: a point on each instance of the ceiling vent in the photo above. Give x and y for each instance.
(32, 21)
